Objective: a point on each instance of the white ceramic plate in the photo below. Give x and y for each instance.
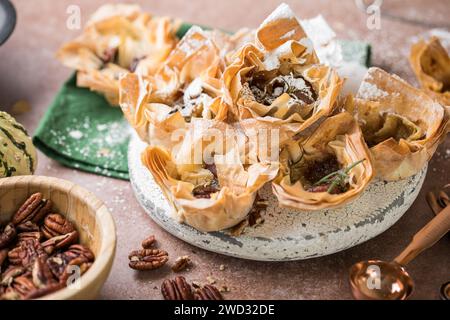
(285, 234)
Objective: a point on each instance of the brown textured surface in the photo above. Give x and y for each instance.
(29, 71)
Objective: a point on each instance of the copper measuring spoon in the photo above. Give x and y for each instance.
(382, 280)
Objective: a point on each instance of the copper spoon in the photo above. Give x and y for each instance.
(382, 280)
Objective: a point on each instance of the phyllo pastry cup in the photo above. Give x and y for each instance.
(431, 64)
(278, 79)
(207, 195)
(401, 124)
(330, 168)
(116, 40)
(186, 86)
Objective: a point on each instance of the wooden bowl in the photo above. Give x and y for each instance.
(89, 214)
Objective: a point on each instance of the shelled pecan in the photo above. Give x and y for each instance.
(27, 226)
(34, 209)
(25, 254)
(56, 225)
(3, 256)
(29, 235)
(11, 273)
(7, 235)
(208, 292)
(40, 292)
(77, 250)
(41, 273)
(149, 242)
(57, 264)
(147, 259)
(177, 289)
(31, 268)
(181, 263)
(59, 242)
(61, 264)
(23, 285)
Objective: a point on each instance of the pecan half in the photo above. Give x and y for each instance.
(77, 255)
(208, 292)
(56, 225)
(80, 250)
(41, 273)
(148, 242)
(27, 226)
(147, 259)
(37, 235)
(26, 253)
(58, 264)
(181, 263)
(3, 256)
(34, 209)
(44, 291)
(80, 262)
(23, 285)
(11, 273)
(14, 256)
(7, 235)
(59, 242)
(177, 289)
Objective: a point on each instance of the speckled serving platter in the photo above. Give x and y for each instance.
(286, 234)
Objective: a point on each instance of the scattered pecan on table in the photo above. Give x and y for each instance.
(180, 289)
(147, 259)
(208, 292)
(181, 264)
(177, 289)
(38, 251)
(149, 242)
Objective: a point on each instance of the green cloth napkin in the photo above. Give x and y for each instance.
(81, 131)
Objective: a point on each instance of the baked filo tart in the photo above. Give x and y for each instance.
(278, 79)
(431, 64)
(326, 170)
(402, 125)
(118, 39)
(186, 86)
(209, 195)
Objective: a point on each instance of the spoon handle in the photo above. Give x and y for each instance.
(426, 237)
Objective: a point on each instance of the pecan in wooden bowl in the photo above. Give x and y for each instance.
(53, 234)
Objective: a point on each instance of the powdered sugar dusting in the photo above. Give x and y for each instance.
(76, 134)
(272, 58)
(369, 90)
(287, 35)
(283, 11)
(188, 44)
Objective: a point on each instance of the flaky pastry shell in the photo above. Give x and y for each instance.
(401, 124)
(116, 40)
(187, 85)
(282, 56)
(225, 207)
(339, 137)
(431, 64)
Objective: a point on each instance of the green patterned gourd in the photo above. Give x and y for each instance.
(17, 153)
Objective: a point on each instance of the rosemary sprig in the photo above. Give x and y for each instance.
(338, 177)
